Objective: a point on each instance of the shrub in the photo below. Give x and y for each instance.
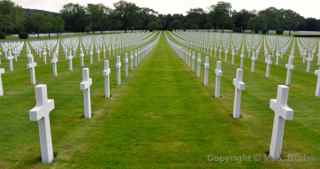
(279, 32)
(2, 35)
(23, 35)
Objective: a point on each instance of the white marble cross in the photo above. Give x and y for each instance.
(189, 57)
(44, 55)
(289, 68)
(253, 61)
(131, 61)
(98, 54)
(54, 66)
(226, 52)
(318, 56)
(41, 114)
(70, 61)
(198, 71)
(309, 61)
(118, 70)
(317, 72)
(10, 59)
(218, 72)
(268, 62)
(32, 68)
(239, 87)
(81, 57)
(206, 71)
(136, 57)
(91, 56)
(193, 60)
(282, 113)
(2, 71)
(304, 54)
(106, 74)
(85, 86)
(220, 53)
(232, 56)
(126, 62)
(277, 57)
(241, 60)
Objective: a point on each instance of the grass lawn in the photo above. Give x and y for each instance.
(161, 118)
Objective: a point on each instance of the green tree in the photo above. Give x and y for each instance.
(220, 15)
(11, 17)
(241, 20)
(75, 18)
(196, 19)
(128, 14)
(97, 15)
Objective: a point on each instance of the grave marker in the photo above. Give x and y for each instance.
(253, 62)
(309, 60)
(2, 71)
(198, 71)
(317, 72)
(85, 86)
(81, 57)
(10, 59)
(268, 67)
(70, 62)
(126, 61)
(41, 114)
(118, 70)
(239, 87)
(54, 65)
(218, 72)
(282, 113)
(206, 71)
(31, 66)
(106, 74)
(289, 68)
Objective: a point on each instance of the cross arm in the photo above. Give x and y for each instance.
(85, 84)
(289, 66)
(106, 72)
(281, 110)
(41, 111)
(218, 72)
(239, 84)
(32, 65)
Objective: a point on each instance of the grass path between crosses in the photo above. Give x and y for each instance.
(164, 118)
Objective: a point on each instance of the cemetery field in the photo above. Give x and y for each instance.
(161, 117)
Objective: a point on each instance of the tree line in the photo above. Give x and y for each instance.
(128, 16)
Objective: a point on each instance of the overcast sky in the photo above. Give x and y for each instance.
(307, 8)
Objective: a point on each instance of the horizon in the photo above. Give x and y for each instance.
(307, 10)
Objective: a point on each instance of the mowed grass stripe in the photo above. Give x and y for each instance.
(166, 120)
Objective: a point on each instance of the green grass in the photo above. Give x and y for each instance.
(161, 118)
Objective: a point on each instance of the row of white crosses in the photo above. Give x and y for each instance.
(11, 51)
(278, 105)
(54, 53)
(41, 112)
(275, 49)
(188, 56)
(289, 66)
(86, 45)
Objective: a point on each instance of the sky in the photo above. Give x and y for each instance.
(307, 8)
